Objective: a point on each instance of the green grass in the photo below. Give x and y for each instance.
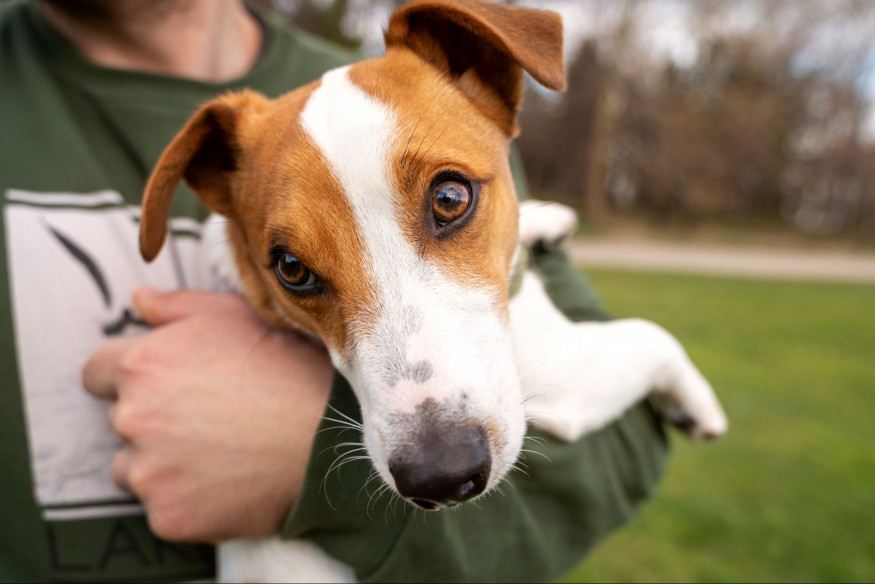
(789, 493)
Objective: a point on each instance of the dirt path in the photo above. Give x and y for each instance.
(749, 262)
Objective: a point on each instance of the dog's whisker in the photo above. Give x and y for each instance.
(339, 429)
(523, 464)
(393, 504)
(375, 495)
(532, 396)
(536, 439)
(346, 461)
(352, 421)
(360, 445)
(334, 447)
(526, 450)
(218, 243)
(344, 423)
(374, 474)
(394, 500)
(398, 500)
(535, 368)
(323, 485)
(519, 469)
(528, 343)
(372, 502)
(353, 451)
(505, 481)
(539, 362)
(536, 415)
(343, 459)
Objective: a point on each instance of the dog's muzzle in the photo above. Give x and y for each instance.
(444, 465)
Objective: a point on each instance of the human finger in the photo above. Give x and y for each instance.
(120, 468)
(100, 373)
(159, 308)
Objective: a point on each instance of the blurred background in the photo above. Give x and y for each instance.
(720, 153)
(688, 114)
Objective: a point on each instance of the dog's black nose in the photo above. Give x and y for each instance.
(448, 468)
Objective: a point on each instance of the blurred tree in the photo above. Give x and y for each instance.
(548, 131)
(763, 123)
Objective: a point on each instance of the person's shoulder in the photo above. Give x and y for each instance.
(14, 17)
(308, 45)
(22, 48)
(10, 8)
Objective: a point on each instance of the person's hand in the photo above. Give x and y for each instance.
(218, 412)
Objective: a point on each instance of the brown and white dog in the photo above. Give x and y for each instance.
(374, 209)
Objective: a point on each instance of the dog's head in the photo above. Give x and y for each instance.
(375, 209)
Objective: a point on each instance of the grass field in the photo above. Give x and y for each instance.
(789, 493)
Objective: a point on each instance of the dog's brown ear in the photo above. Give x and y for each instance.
(484, 48)
(205, 153)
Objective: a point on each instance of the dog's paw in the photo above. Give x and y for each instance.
(708, 425)
(684, 395)
(546, 225)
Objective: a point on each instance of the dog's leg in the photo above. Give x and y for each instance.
(578, 377)
(270, 559)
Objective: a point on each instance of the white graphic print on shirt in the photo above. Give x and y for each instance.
(74, 263)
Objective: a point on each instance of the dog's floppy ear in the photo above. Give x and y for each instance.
(484, 48)
(205, 153)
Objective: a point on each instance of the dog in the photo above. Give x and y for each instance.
(374, 210)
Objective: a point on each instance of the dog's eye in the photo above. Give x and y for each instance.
(292, 274)
(450, 200)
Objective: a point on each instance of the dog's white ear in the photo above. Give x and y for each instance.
(484, 48)
(205, 153)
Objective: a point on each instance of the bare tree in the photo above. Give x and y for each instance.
(762, 124)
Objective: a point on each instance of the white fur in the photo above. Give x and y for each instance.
(581, 376)
(546, 222)
(270, 559)
(578, 377)
(465, 342)
(220, 258)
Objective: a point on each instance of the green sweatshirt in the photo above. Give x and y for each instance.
(77, 142)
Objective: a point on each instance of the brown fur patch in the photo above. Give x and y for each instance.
(290, 200)
(452, 76)
(441, 131)
(489, 44)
